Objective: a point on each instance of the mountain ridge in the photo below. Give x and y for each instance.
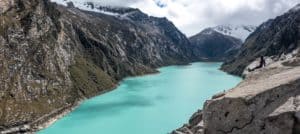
(55, 56)
(214, 46)
(267, 100)
(237, 31)
(220, 43)
(274, 38)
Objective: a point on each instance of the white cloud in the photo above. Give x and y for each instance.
(191, 16)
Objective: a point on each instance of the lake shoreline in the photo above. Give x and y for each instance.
(43, 122)
(142, 99)
(52, 118)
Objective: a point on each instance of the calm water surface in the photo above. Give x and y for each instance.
(152, 104)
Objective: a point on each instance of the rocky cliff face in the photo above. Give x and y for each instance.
(52, 56)
(214, 46)
(274, 38)
(268, 100)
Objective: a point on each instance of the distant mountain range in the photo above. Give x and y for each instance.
(221, 42)
(212, 44)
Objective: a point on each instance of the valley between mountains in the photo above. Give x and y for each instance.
(54, 55)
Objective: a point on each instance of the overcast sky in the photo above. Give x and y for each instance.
(192, 16)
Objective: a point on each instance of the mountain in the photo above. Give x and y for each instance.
(275, 39)
(95, 7)
(53, 56)
(267, 100)
(238, 31)
(221, 42)
(214, 46)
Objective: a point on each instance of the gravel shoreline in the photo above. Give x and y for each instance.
(42, 122)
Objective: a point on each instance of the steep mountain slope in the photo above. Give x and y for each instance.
(214, 46)
(219, 46)
(268, 100)
(53, 56)
(274, 38)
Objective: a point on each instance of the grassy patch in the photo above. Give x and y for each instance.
(89, 79)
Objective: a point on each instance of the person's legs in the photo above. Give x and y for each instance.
(262, 64)
(257, 67)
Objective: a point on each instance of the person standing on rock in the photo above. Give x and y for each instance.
(262, 64)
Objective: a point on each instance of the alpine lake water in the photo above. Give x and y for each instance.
(150, 104)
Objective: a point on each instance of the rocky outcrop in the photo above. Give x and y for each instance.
(214, 46)
(266, 102)
(52, 56)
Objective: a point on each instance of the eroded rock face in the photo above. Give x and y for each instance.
(269, 107)
(34, 67)
(5, 5)
(52, 56)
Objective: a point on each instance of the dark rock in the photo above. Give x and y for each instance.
(70, 5)
(214, 46)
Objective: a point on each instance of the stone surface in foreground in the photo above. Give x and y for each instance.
(266, 102)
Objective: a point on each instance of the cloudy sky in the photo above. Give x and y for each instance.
(192, 16)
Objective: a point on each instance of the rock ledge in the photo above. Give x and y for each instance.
(266, 102)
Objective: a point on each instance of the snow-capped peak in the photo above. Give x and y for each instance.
(240, 31)
(208, 31)
(88, 6)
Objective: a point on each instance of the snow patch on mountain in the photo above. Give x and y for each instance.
(208, 31)
(240, 32)
(87, 6)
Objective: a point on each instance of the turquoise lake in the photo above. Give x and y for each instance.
(151, 104)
